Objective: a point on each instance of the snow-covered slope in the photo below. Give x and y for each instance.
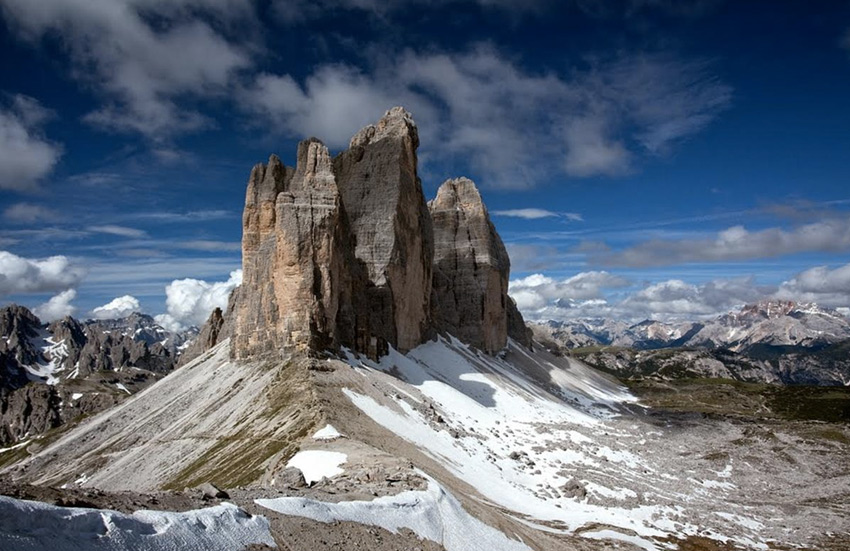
(34, 526)
(550, 451)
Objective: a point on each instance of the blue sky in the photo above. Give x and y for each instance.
(641, 158)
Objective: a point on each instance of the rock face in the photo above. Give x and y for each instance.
(389, 222)
(471, 268)
(342, 253)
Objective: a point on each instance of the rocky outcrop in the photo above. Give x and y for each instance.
(390, 226)
(471, 268)
(211, 334)
(342, 253)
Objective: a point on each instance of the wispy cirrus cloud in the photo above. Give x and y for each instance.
(537, 214)
(29, 213)
(121, 231)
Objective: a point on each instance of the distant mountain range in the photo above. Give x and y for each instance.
(86, 366)
(775, 323)
(770, 341)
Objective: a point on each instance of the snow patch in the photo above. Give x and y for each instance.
(327, 433)
(318, 464)
(33, 526)
(432, 514)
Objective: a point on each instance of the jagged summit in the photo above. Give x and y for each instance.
(345, 252)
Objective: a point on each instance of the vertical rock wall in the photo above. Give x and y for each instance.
(342, 253)
(471, 268)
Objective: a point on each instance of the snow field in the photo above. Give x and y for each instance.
(523, 447)
(34, 526)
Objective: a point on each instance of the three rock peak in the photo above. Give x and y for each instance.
(345, 251)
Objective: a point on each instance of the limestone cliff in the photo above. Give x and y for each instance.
(471, 268)
(342, 253)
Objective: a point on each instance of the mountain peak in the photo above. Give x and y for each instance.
(341, 252)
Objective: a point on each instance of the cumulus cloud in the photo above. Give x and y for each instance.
(121, 231)
(537, 293)
(25, 275)
(190, 301)
(536, 214)
(119, 307)
(825, 286)
(143, 55)
(676, 299)
(27, 213)
(510, 124)
(57, 307)
(585, 295)
(26, 156)
(735, 243)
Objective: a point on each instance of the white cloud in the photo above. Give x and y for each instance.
(57, 307)
(142, 55)
(536, 214)
(676, 299)
(511, 125)
(190, 301)
(121, 231)
(25, 275)
(27, 213)
(735, 243)
(583, 295)
(26, 157)
(827, 287)
(119, 307)
(537, 294)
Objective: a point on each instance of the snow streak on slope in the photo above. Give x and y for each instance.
(30, 525)
(53, 352)
(537, 435)
(432, 514)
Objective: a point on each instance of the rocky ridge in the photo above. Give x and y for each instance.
(52, 373)
(771, 341)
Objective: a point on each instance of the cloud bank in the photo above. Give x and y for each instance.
(588, 295)
(25, 275)
(734, 243)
